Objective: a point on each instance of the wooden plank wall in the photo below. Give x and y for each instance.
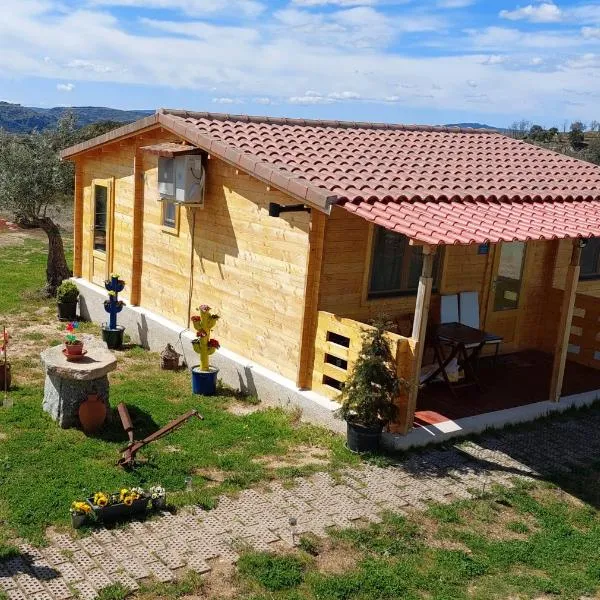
(252, 268)
(344, 278)
(117, 163)
(335, 360)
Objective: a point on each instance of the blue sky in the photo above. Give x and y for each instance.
(410, 61)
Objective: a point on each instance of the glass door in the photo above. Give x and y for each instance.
(506, 287)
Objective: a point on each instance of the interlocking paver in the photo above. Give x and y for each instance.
(161, 547)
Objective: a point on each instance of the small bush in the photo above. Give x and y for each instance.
(272, 571)
(67, 292)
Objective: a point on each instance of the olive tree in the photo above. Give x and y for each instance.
(33, 181)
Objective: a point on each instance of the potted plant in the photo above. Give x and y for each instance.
(113, 333)
(158, 497)
(80, 512)
(368, 397)
(73, 345)
(5, 372)
(204, 377)
(66, 300)
(119, 505)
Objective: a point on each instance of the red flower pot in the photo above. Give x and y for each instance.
(74, 348)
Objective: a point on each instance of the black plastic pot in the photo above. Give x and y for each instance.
(120, 511)
(113, 337)
(363, 439)
(67, 311)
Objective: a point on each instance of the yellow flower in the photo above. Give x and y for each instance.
(81, 507)
(124, 492)
(128, 500)
(100, 499)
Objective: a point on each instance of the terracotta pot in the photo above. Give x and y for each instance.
(92, 413)
(74, 349)
(4, 380)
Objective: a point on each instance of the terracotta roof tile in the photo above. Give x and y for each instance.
(438, 185)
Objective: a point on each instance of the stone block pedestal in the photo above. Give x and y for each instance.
(68, 383)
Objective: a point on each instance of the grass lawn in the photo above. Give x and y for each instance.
(44, 468)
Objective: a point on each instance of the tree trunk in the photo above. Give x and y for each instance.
(57, 269)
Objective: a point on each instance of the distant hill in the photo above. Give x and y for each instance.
(24, 119)
(473, 126)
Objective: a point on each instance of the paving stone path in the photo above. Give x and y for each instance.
(166, 546)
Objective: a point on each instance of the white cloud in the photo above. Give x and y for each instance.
(196, 8)
(88, 65)
(226, 100)
(455, 3)
(342, 3)
(546, 12)
(65, 87)
(493, 59)
(268, 62)
(590, 32)
(344, 96)
(472, 83)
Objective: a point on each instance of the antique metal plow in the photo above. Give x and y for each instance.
(128, 453)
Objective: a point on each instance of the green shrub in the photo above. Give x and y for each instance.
(369, 395)
(272, 571)
(67, 292)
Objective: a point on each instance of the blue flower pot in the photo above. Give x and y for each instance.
(204, 383)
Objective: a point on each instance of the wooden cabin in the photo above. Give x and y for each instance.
(308, 230)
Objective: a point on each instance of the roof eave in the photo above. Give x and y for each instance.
(112, 136)
(311, 195)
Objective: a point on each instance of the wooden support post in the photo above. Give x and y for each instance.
(564, 323)
(408, 401)
(138, 229)
(78, 220)
(318, 221)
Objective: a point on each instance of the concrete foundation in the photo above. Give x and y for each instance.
(154, 332)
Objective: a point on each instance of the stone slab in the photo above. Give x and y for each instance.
(97, 363)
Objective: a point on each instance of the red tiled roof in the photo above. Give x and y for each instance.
(436, 185)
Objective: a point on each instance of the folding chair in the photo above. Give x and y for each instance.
(469, 315)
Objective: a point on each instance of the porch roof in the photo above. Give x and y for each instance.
(437, 185)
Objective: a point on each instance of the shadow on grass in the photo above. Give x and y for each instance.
(113, 431)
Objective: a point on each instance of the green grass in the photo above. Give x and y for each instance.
(26, 266)
(44, 468)
(273, 572)
(462, 557)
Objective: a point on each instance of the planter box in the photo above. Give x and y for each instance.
(120, 511)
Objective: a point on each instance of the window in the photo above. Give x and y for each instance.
(395, 265)
(100, 212)
(170, 213)
(590, 260)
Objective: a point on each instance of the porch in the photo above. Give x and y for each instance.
(531, 375)
(513, 380)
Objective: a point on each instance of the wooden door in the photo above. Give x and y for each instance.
(504, 304)
(101, 230)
